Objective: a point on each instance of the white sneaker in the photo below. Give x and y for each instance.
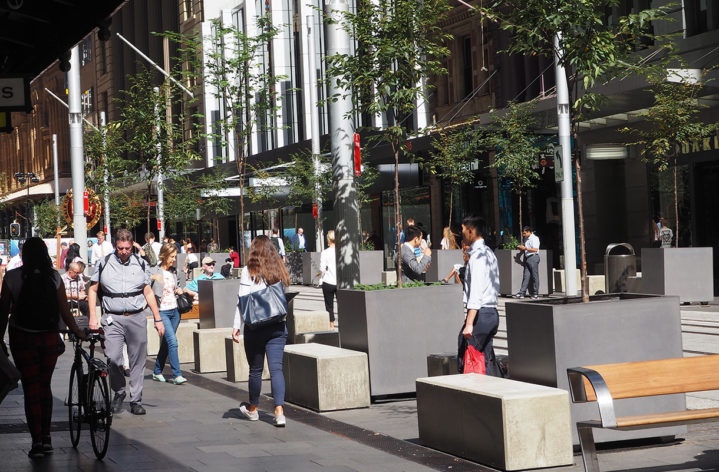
(280, 421)
(250, 415)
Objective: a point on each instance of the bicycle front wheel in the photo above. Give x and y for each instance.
(100, 415)
(74, 405)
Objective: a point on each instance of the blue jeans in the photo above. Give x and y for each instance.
(168, 344)
(268, 340)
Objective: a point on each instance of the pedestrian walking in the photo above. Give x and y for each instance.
(328, 269)
(34, 297)
(264, 268)
(126, 297)
(530, 255)
(166, 288)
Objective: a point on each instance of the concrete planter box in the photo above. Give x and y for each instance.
(442, 264)
(310, 267)
(371, 265)
(218, 301)
(398, 329)
(686, 272)
(293, 260)
(511, 271)
(547, 337)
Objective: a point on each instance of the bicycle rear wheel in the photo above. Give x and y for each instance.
(100, 415)
(74, 405)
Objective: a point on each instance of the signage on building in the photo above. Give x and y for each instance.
(14, 94)
(92, 214)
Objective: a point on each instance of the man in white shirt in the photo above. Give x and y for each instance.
(101, 249)
(530, 249)
(480, 295)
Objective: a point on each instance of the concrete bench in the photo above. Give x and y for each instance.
(185, 349)
(605, 384)
(329, 338)
(326, 378)
(209, 347)
(299, 322)
(499, 422)
(238, 369)
(441, 364)
(389, 277)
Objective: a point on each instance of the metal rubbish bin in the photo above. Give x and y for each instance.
(618, 267)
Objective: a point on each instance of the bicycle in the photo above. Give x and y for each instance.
(88, 398)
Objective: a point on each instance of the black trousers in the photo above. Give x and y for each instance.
(329, 291)
(485, 327)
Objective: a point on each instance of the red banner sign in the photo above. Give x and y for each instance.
(358, 155)
(315, 211)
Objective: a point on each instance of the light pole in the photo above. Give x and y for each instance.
(22, 178)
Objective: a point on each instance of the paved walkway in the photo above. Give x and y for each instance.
(198, 427)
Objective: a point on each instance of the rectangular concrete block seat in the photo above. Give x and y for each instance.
(499, 422)
(329, 338)
(442, 364)
(185, 346)
(238, 369)
(389, 277)
(326, 378)
(209, 346)
(299, 322)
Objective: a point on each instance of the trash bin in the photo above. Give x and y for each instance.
(618, 267)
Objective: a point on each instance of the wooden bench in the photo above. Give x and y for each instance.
(605, 383)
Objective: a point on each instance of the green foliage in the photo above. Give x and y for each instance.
(47, 214)
(367, 246)
(512, 137)
(510, 243)
(189, 192)
(126, 209)
(383, 286)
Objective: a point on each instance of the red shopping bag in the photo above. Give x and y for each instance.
(474, 361)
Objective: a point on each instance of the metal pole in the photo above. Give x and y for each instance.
(315, 127)
(347, 235)
(65, 105)
(106, 174)
(160, 181)
(77, 161)
(55, 172)
(570, 257)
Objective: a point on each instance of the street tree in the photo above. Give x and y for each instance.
(592, 50)
(671, 122)
(233, 64)
(47, 215)
(511, 136)
(193, 192)
(399, 44)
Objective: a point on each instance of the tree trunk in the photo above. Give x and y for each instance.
(397, 216)
(520, 215)
(582, 246)
(676, 207)
(241, 165)
(451, 195)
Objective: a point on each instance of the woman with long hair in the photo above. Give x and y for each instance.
(264, 268)
(449, 239)
(165, 287)
(192, 262)
(34, 297)
(73, 252)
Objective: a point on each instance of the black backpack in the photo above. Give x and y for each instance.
(276, 243)
(226, 270)
(102, 293)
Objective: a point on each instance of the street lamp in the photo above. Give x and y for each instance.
(22, 178)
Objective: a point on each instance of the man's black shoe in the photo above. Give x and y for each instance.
(137, 409)
(117, 402)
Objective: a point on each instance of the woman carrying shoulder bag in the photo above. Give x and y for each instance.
(34, 296)
(264, 268)
(165, 287)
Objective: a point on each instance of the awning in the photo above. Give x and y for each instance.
(40, 190)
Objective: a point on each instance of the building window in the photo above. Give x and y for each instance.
(103, 56)
(700, 16)
(85, 51)
(87, 107)
(467, 65)
(189, 12)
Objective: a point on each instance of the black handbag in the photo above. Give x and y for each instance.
(184, 303)
(264, 307)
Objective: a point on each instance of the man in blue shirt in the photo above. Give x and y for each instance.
(208, 267)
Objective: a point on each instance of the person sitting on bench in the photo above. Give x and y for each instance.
(75, 288)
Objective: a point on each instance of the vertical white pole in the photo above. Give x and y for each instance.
(160, 181)
(570, 257)
(314, 126)
(106, 173)
(55, 172)
(77, 160)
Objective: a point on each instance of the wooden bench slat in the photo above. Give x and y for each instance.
(668, 417)
(659, 377)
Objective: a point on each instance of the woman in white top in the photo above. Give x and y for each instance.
(448, 239)
(165, 282)
(328, 268)
(264, 267)
(191, 261)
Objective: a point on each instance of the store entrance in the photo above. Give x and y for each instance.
(706, 221)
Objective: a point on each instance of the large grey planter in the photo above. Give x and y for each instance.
(686, 272)
(511, 271)
(443, 262)
(293, 260)
(310, 267)
(371, 265)
(547, 337)
(398, 329)
(218, 300)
